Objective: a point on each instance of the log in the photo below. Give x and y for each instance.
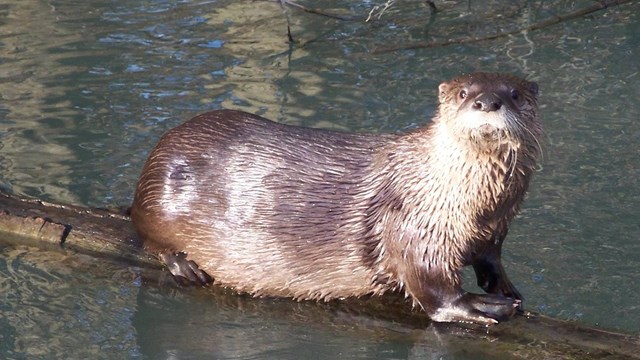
(96, 232)
(109, 234)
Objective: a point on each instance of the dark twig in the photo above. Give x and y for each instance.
(432, 7)
(600, 5)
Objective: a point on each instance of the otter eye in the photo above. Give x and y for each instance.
(515, 95)
(462, 94)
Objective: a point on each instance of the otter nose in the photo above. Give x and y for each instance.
(487, 102)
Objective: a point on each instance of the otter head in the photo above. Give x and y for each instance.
(491, 111)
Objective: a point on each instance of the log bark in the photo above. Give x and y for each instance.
(97, 232)
(109, 235)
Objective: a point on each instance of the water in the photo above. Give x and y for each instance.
(87, 88)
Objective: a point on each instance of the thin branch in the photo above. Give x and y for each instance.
(286, 14)
(387, 5)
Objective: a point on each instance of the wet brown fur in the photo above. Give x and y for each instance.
(276, 210)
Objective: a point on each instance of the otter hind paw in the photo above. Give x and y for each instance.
(186, 272)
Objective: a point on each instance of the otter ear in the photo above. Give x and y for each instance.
(533, 87)
(442, 90)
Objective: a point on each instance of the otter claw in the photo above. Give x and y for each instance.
(492, 307)
(186, 272)
(486, 309)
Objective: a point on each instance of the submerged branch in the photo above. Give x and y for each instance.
(376, 12)
(599, 5)
(316, 11)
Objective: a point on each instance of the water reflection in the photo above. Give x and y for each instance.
(48, 310)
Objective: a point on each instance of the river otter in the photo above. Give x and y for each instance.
(277, 210)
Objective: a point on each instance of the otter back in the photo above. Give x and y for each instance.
(262, 207)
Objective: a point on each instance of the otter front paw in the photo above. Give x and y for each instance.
(484, 309)
(186, 272)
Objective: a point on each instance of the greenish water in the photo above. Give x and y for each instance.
(87, 88)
